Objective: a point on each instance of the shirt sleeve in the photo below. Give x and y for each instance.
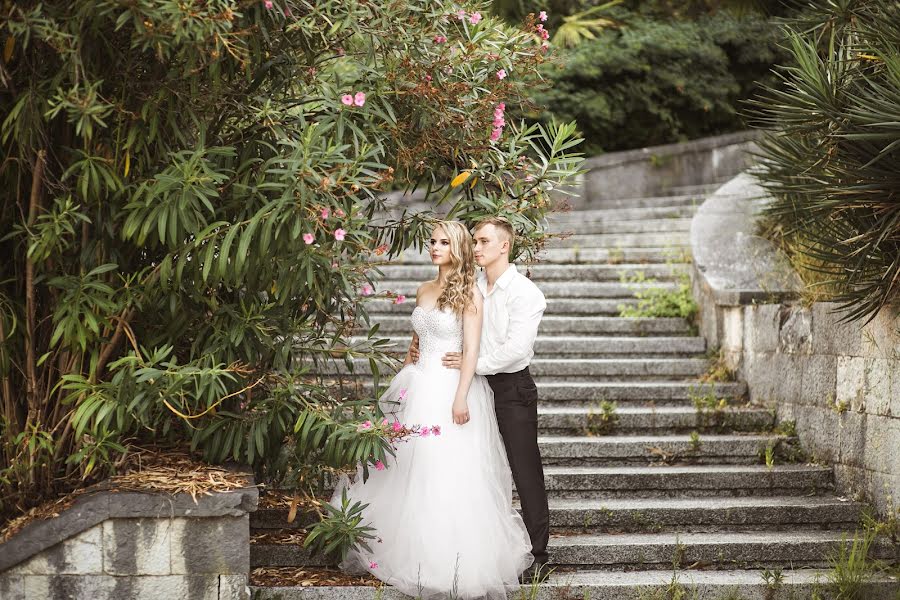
(525, 312)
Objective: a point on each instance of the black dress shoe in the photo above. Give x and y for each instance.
(536, 573)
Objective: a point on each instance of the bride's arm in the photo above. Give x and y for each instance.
(472, 319)
(412, 353)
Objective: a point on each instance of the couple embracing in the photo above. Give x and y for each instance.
(442, 509)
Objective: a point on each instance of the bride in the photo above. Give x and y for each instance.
(442, 509)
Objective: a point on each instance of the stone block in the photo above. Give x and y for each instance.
(819, 380)
(72, 587)
(882, 451)
(881, 337)
(795, 335)
(853, 433)
(851, 381)
(761, 328)
(12, 587)
(137, 546)
(78, 555)
(176, 587)
(732, 339)
(212, 545)
(882, 381)
(141, 504)
(786, 376)
(234, 587)
(819, 432)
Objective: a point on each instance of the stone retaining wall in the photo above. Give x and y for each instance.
(839, 381)
(129, 545)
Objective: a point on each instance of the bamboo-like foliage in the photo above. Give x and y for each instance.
(190, 208)
(831, 150)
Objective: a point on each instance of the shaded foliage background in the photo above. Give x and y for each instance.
(192, 191)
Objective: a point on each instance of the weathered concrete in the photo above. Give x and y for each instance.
(659, 391)
(554, 289)
(548, 272)
(651, 419)
(839, 381)
(131, 545)
(582, 326)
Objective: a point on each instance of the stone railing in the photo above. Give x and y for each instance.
(840, 382)
(129, 545)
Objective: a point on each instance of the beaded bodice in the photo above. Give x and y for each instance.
(439, 331)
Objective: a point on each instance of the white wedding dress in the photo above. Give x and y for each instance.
(442, 509)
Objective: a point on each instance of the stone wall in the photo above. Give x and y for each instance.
(128, 545)
(840, 382)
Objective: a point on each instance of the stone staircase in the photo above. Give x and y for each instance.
(655, 488)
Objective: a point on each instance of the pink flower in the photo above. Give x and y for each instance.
(339, 213)
(365, 426)
(495, 134)
(309, 238)
(367, 290)
(436, 430)
(325, 213)
(542, 15)
(397, 426)
(339, 234)
(499, 121)
(461, 14)
(425, 431)
(439, 39)
(384, 422)
(501, 74)
(428, 78)
(474, 18)
(374, 565)
(402, 396)
(359, 99)
(379, 466)
(347, 100)
(268, 4)
(334, 265)
(400, 299)
(501, 106)
(544, 33)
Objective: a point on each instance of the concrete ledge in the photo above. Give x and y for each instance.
(94, 507)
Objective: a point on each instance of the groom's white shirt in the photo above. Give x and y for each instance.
(512, 313)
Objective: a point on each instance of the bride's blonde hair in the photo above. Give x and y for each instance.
(457, 294)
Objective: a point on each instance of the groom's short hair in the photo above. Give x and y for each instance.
(502, 224)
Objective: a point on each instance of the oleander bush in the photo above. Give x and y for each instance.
(191, 207)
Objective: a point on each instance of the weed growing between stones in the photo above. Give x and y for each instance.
(603, 422)
(531, 590)
(770, 456)
(718, 370)
(774, 581)
(659, 301)
(695, 441)
(615, 256)
(786, 428)
(710, 409)
(674, 590)
(851, 567)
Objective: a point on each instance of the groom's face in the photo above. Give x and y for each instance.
(490, 244)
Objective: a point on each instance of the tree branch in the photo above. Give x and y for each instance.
(30, 309)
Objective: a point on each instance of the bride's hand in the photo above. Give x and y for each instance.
(460, 411)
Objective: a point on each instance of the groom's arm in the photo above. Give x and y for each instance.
(525, 312)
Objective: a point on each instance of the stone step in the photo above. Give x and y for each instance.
(589, 420)
(616, 225)
(740, 584)
(663, 449)
(709, 550)
(546, 272)
(580, 392)
(583, 326)
(594, 255)
(554, 289)
(674, 199)
(758, 548)
(555, 306)
(686, 480)
(701, 514)
(580, 368)
(699, 189)
(623, 240)
(623, 214)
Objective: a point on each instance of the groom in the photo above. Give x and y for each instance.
(513, 307)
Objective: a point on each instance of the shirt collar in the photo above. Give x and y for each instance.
(504, 280)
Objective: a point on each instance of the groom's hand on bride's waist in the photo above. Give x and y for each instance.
(452, 360)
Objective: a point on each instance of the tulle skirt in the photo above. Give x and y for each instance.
(442, 509)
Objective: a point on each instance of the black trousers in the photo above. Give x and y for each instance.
(515, 401)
